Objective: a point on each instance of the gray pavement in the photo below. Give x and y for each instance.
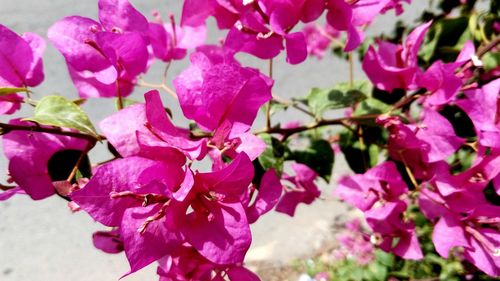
(42, 241)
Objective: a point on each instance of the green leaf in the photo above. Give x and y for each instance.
(384, 258)
(274, 155)
(371, 106)
(340, 96)
(61, 112)
(491, 60)
(6, 91)
(362, 86)
(319, 156)
(378, 272)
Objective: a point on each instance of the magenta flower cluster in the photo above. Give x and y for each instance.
(196, 224)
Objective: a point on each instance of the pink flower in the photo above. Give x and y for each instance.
(251, 35)
(218, 227)
(125, 193)
(187, 264)
(482, 107)
(104, 58)
(380, 194)
(391, 232)
(464, 191)
(395, 66)
(350, 17)
(440, 78)
(379, 184)
(146, 130)
(475, 231)
(319, 38)
(159, 206)
(430, 141)
(353, 244)
(259, 28)
(303, 189)
(216, 88)
(29, 155)
(223, 97)
(20, 65)
(171, 42)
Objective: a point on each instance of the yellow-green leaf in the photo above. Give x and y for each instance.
(61, 112)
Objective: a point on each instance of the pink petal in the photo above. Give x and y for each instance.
(296, 48)
(232, 181)
(156, 241)
(195, 12)
(408, 247)
(117, 176)
(439, 134)
(35, 76)
(108, 241)
(448, 233)
(242, 274)
(121, 127)
(267, 197)
(121, 14)
(224, 236)
(16, 57)
(413, 42)
(5, 195)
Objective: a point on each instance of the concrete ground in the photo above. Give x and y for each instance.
(41, 241)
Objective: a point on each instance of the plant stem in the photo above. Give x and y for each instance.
(351, 70)
(158, 86)
(286, 132)
(79, 161)
(268, 106)
(53, 130)
(483, 50)
(119, 95)
(293, 104)
(6, 187)
(165, 73)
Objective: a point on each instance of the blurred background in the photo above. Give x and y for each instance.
(43, 240)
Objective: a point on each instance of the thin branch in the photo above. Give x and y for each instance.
(409, 172)
(6, 187)
(286, 132)
(79, 161)
(293, 104)
(159, 87)
(119, 95)
(483, 50)
(268, 106)
(51, 130)
(351, 70)
(165, 73)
